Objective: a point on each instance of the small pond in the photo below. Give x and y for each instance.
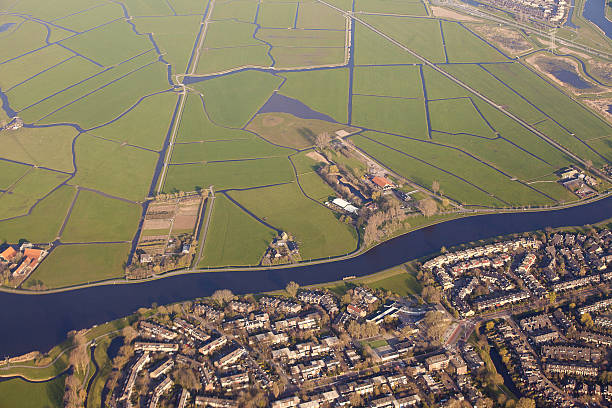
(571, 78)
(6, 26)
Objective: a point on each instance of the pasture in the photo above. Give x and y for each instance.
(109, 113)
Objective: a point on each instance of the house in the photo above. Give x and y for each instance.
(383, 183)
(215, 402)
(356, 310)
(9, 254)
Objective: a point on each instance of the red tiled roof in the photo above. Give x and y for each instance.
(381, 181)
(32, 253)
(8, 254)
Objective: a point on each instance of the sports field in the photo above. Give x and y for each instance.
(131, 99)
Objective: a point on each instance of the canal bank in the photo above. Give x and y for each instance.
(41, 321)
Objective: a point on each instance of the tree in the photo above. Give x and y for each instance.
(79, 356)
(292, 288)
(71, 393)
(221, 296)
(186, 379)
(490, 325)
(437, 323)
(427, 206)
(435, 186)
(525, 403)
(356, 400)
(129, 334)
(431, 294)
(322, 140)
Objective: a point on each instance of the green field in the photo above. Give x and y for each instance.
(324, 91)
(234, 174)
(170, 93)
(18, 393)
(234, 238)
(88, 220)
(75, 264)
(315, 229)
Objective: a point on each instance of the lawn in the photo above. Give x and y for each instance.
(43, 224)
(45, 147)
(399, 282)
(400, 116)
(318, 233)
(234, 237)
(146, 125)
(51, 11)
(118, 170)
(234, 174)
(371, 48)
(287, 130)
(232, 100)
(75, 264)
(464, 46)
(388, 81)
(324, 91)
(19, 393)
(109, 44)
(90, 216)
(411, 7)
(277, 14)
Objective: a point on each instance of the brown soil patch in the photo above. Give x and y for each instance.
(184, 222)
(270, 121)
(446, 13)
(507, 39)
(156, 224)
(601, 106)
(316, 156)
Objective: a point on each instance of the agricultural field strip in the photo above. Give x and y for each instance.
(544, 113)
(73, 152)
(463, 85)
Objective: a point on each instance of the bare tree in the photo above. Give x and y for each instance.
(292, 288)
(322, 140)
(427, 206)
(435, 186)
(222, 295)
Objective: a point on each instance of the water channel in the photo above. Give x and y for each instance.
(41, 321)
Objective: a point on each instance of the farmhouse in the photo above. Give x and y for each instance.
(382, 183)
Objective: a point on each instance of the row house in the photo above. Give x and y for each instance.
(189, 330)
(148, 329)
(156, 347)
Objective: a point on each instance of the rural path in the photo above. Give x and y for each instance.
(500, 108)
(209, 211)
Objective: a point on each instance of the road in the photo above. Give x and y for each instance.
(500, 108)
